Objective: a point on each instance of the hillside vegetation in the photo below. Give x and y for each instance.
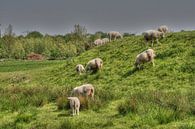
(33, 94)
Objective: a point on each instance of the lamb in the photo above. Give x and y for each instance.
(153, 35)
(94, 65)
(146, 56)
(80, 69)
(86, 90)
(115, 35)
(105, 40)
(163, 29)
(98, 42)
(74, 105)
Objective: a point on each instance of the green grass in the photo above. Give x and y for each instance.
(160, 97)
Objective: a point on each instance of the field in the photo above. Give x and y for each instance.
(33, 93)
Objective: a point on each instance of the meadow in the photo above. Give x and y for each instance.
(33, 93)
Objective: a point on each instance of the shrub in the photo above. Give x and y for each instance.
(128, 106)
(62, 103)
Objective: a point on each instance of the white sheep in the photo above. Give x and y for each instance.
(146, 56)
(153, 35)
(114, 35)
(86, 90)
(105, 40)
(98, 42)
(94, 65)
(80, 69)
(74, 105)
(163, 29)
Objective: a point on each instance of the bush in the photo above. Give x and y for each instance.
(62, 103)
(127, 107)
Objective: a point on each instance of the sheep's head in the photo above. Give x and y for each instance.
(69, 98)
(161, 34)
(121, 36)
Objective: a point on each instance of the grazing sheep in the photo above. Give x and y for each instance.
(94, 65)
(98, 42)
(86, 90)
(153, 35)
(105, 40)
(115, 35)
(74, 105)
(146, 56)
(163, 29)
(80, 69)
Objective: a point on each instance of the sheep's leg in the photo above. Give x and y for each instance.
(93, 97)
(153, 63)
(77, 111)
(148, 43)
(114, 37)
(158, 41)
(138, 66)
(73, 112)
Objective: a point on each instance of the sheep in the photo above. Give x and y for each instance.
(98, 42)
(94, 65)
(153, 35)
(80, 69)
(146, 56)
(163, 29)
(105, 40)
(74, 105)
(114, 34)
(86, 90)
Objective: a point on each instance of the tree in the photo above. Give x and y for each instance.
(128, 34)
(79, 32)
(34, 34)
(9, 30)
(100, 34)
(0, 30)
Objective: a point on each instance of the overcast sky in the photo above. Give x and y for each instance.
(59, 16)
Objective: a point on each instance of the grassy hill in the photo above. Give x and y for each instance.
(161, 97)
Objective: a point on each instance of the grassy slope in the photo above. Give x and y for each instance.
(174, 71)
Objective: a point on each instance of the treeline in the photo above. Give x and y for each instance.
(51, 47)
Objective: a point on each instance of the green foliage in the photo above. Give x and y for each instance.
(53, 47)
(128, 106)
(128, 34)
(3, 52)
(62, 103)
(161, 97)
(21, 97)
(67, 124)
(34, 34)
(17, 51)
